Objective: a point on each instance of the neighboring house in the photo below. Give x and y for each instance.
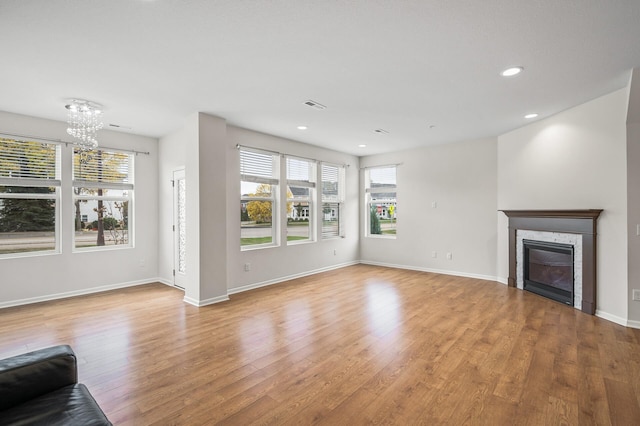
(88, 213)
(382, 208)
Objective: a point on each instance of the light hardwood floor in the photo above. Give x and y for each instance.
(358, 345)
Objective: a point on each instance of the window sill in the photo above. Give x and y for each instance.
(299, 242)
(257, 247)
(101, 248)
(29, 254)
(333, 237)
(382, 237)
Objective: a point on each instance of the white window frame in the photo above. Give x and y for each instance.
(332, 197)
(37, 180)
(126, 185)
(370, 193)
(309, 183)
(261, 177)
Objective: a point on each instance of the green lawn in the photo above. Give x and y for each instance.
(24, 250)
(265, 240)
(253, 241)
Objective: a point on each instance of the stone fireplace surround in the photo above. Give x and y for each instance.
(580, 222)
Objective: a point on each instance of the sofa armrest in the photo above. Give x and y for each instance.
(27, 376)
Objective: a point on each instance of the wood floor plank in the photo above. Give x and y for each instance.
(560, 412)
(358, 345)
(623, 405)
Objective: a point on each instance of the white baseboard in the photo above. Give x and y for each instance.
(166, 282)
(503, 280)
(241, 289)
(435, 271)
(612, 318)
(633, 324)
(82, 292)
(205, 302)
(600, 314)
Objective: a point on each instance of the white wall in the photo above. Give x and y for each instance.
(206, 148)
(574, 160)
(461, 179)
(633, 194)
(35, 278)
(277, 263)
(199, 148)
(213, 224)
(633, 211)
(171, 157)
(582, 151)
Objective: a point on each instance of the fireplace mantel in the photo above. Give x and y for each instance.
(583, 222)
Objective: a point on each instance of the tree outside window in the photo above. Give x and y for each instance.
(103, 189)
(29, 196)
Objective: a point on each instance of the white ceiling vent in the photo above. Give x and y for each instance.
(314, 104)
(117, 126)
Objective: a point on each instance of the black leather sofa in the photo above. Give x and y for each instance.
(41, 388)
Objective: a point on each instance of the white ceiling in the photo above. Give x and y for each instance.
(403, 66)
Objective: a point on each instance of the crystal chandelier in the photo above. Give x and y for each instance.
(85, 119)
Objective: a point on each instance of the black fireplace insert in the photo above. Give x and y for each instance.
(548, 270)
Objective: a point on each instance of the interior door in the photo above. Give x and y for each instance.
(179, 229)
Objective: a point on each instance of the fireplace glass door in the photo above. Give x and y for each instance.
(548, 270)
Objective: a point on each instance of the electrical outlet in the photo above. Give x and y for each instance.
(142, 263)
(434, 254)
(635, 295)
(335, 252)
(434, 204)
(247, 267)
(449, 256)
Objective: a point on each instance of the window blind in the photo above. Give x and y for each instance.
(332, 183)
(382, 182)
(382, 178)
(257, 167)
(29, 163)
(103, 169)
(300, 173)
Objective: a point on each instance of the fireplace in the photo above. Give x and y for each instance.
(548, 270)
(573, 232)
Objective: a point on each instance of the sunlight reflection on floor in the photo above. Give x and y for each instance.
(383, 306)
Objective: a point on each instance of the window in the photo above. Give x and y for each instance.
(380, 189)
(332, 200)
(103, 198)
(29, 197)
(259, 179)
(300, 186)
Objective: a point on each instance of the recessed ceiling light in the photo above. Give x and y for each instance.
(532, 115)
(510, 72)
(362, 145)
(302, 127)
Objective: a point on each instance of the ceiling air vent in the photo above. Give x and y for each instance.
(118, 126)
(314, 104)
